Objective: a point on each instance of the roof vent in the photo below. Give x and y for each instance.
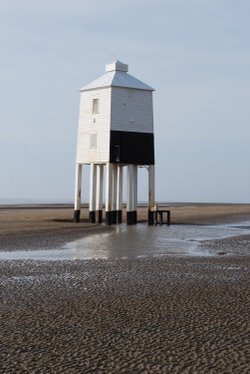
(117, 66)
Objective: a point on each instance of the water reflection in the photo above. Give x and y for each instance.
(143, 240)
(136, 241)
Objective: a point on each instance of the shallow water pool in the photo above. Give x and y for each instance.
(136, 241)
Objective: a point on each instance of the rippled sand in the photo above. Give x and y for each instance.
(146, 315)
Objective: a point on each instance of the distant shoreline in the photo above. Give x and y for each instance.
(85, 205)
(50, 220)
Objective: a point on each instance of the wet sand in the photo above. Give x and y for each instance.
(146, 315)
(45, 226)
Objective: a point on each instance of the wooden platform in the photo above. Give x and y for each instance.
(159, 217)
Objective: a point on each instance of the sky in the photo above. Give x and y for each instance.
(195, 53)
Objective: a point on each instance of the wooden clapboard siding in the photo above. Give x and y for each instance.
(132, 110)
(124, 106)
(91, 123)
(129, 147)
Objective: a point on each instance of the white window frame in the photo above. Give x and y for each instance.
(93, 141)
(95, 106)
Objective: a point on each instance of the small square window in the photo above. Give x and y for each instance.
(95, 106)
(93, 141)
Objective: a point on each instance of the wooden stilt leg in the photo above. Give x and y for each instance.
(99, 192)
(119, 194)
(108, 199)
(92, 193)
(77, 200)
(151, 194)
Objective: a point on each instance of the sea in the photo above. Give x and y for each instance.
(35, 201)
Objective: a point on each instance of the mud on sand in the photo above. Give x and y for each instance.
(148, 315)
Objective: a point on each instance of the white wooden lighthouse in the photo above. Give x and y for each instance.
(115, 131)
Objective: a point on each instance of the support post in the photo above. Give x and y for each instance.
(108, 197)
(168, 217)
(77, 199)
(119, 194)
(99, 192)
(135, 186)
(151, 194)
(114, 193)
(92, 193)
(130, 194)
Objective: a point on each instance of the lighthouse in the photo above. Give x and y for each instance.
(115, 132)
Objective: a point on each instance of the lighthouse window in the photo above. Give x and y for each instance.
(95, 106)
(93, 141)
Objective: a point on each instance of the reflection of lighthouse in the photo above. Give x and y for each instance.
(115, 131)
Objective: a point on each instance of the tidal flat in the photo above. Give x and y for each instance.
(151, 314)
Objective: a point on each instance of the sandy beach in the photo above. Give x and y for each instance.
(52, 225)
(143, 315)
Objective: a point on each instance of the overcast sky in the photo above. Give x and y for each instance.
(195, 53)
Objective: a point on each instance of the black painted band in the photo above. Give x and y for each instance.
(118, 216)
(113, 216)
(92, 217)
(131, 218)
(77, 214)
(127, 147)
(151, 217)
(99, 216)
(108, 218)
